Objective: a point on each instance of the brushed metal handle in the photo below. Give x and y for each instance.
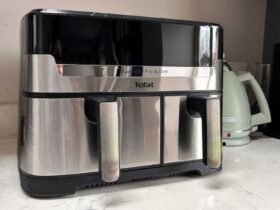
(109, 141)
(213, 118)
(209, 107)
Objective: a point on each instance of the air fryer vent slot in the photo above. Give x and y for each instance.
(99, 185)
(190, 174)
(142, 179)
(175, 174)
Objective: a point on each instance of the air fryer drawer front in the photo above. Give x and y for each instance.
(139, 127)
(72, 135)
(182, 132)
(59, 139)
(71, 143)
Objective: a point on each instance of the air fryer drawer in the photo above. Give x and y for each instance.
(59, 139)
(182, 132)
(139, 130)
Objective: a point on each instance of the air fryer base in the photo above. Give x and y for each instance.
(58, 186)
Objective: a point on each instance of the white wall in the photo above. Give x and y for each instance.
(243, 22)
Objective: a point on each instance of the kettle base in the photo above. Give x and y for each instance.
(58, 186)
(236, 141)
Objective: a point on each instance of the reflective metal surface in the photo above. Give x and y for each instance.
(182, 132)
(74, 37)
(214, 142)
(109, 141)
(42, 74)
(139, 130)
(131, 71)
(57, 138)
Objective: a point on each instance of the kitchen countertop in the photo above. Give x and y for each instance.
(250, 179)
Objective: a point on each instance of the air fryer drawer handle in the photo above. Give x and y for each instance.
(210, 110)
(103, 112)
(109, 142)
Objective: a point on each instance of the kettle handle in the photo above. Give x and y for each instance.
(264, 115)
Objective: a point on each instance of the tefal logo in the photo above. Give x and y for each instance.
(144, 84)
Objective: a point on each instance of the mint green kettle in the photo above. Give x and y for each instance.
(238, 122)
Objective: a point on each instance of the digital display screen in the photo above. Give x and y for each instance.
(112, 41)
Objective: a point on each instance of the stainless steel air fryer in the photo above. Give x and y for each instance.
(111, 98)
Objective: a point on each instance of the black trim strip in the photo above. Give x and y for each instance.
(118, 16)
(117, 94)
(162, 118)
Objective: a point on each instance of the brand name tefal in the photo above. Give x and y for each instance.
(144, 84)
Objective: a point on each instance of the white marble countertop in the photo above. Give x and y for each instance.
(250, 179)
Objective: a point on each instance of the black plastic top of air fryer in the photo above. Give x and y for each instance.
(105, 39)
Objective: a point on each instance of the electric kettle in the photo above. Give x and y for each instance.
(238, 122)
